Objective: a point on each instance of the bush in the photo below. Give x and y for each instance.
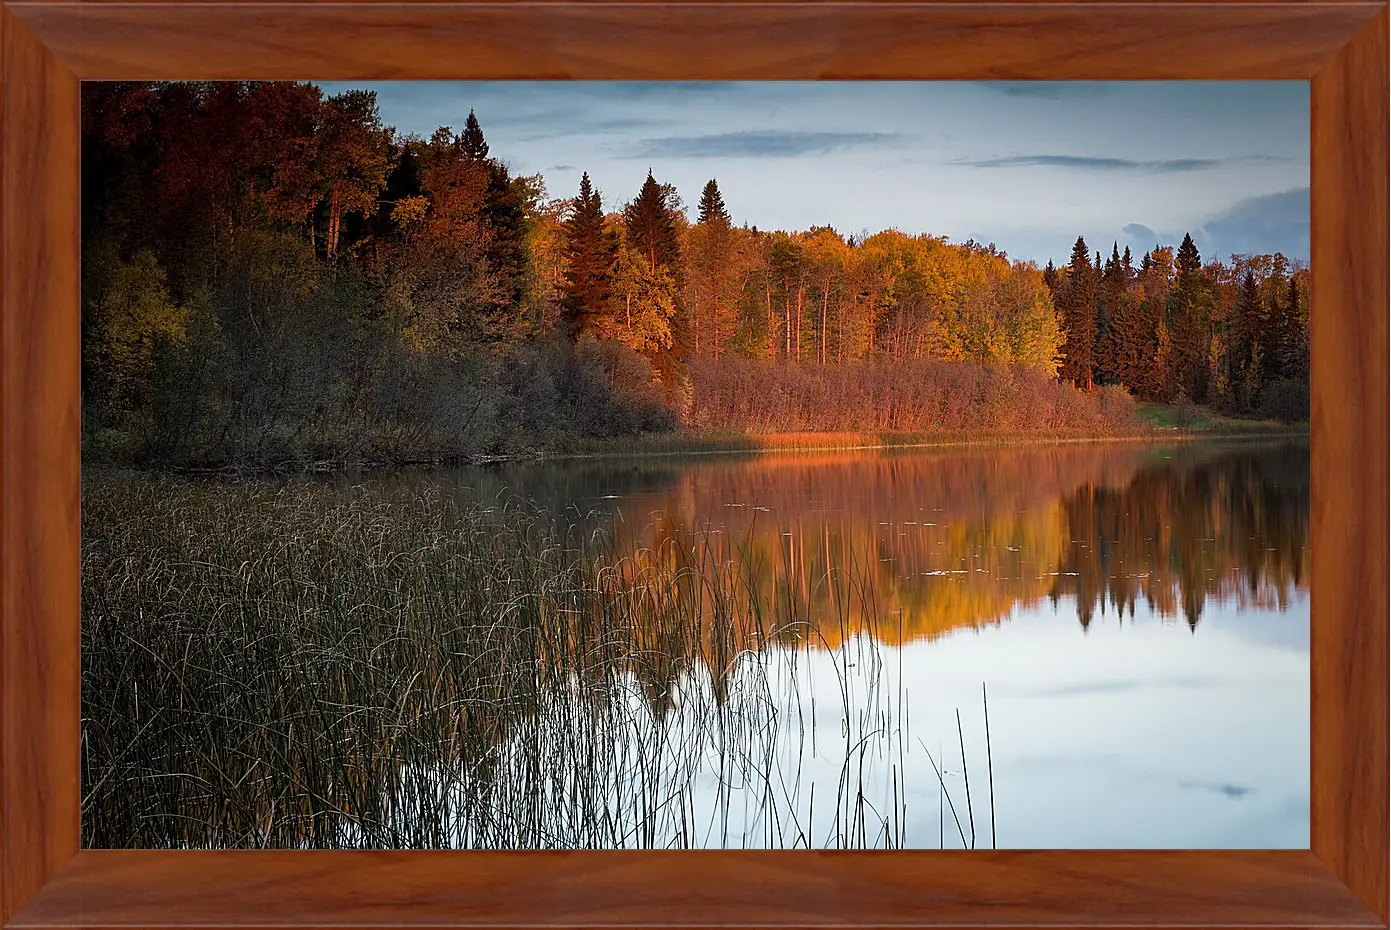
(1286, 400)
(921, 395)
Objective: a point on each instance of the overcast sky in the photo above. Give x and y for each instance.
(1026, 165)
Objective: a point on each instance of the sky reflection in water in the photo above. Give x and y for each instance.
(1140, 615)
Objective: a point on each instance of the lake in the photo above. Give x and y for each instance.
(1139, 616)
(1129, 624)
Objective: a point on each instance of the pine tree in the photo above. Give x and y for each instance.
(1079, 318)
(650, 229)
(471, 142)
(504, 207)
(1132, 338)
(590, 254)
(712, 286)
(712, 207)
(1246, 348)
(1190, 325)
(1189, 262)
(1293, 335)
(1108, 297)
(650, 226)
(1273, 314)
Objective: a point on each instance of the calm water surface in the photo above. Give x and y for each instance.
(1139, 615)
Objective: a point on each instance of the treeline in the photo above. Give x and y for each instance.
(271, 275)
(1234, 336)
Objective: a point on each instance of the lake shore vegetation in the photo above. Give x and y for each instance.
(274, 278)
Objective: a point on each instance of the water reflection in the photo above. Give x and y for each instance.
(1104, 734)
(759, 651)
(959, 539)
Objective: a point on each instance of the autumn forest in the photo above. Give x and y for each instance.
(271, 275)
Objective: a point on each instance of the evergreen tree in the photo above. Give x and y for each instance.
(504, 206)
(712, 291)
(1247, 335)
(471, 142)
(650, 229)
(1108, 297)
(1189, 262)
(1079, 318)
(650, 226)
(1050, 278)
(1131, 338)
(1293, 335)
(1273, 317)
(712, 207)
(504, 211)
(1189, 325)
(590, 254)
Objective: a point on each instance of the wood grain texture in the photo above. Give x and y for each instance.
(39, 728)
(695, 40)
(783, 889)
(1343, 882)
(1350, 297)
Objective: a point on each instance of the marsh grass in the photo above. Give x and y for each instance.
(311, 665)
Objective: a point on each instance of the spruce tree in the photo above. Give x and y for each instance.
(1293, 336)
(1108, 300)
(590, 254)
(650, 229)
(711, 293)
(1189, 325)
(712, 207)
(1079, 318)
(1247, 340)
(471, 142)
(650, 226)
(1273, 313)
(1189, 262)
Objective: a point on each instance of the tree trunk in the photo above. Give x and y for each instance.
(801, 290)
(825, 308)
(334, 217)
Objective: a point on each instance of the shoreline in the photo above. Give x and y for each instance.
(1007, 439)
(693, 443)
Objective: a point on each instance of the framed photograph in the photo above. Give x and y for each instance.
(629, 464)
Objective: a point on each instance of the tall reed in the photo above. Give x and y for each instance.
(307, 665)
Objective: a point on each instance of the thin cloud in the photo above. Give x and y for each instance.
(759, 144)
(1047, 90)
(1095, 163)
(1226, 789)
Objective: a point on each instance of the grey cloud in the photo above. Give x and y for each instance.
(759, 144)
(1260, 225)
(1155, 166)
(561, 168)
(1223, 788)
(1048, 90)
(1271, 223)
(1139, 233)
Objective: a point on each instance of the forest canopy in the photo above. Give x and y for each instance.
(272, 275)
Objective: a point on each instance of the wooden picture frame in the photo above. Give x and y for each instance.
(50, 45)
